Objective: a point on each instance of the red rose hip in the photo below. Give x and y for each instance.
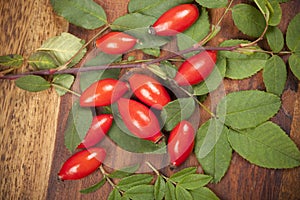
(98, 129)
(103, 93)
(139, 119)
(181, 142)
(82, 164)
(196, 68)
(149, 91)
(175, 20)
(116, 43)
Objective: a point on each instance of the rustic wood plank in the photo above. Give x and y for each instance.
(28, 120)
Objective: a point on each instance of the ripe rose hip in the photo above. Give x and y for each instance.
(149, 91)
(82, 164)
(181, 142)
(103, 93)
(196, 68)
(116, 43)
(175, 20)
(139, 119)
(98, 129)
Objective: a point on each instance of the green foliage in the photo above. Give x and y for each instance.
(32, 83)
(248, 19)
(159, 188)
(195, 33)
(42, 60)
(62, 80)
(214, 80)
(127, 183)
(121, 173)
(62, 48)
(84, 13)
(294, 62)
(212, 3)
(275, 75)
(248, 109)
(176, 111)
(217, 152)
(94, 187)
(13, 60)
(153, 8)
(293, 34)
(275, 39)
(79, 121)
(128, 22)
(128, 142)
(266, 145)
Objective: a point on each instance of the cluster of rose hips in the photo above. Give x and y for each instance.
(139, 119)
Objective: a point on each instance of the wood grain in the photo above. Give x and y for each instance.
(28, 120)
(32, 124)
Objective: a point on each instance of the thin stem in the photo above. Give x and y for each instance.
(82, 48)
(212, 32)
(65, 89)
(105, 174)
(130, 65)
(156, 171)
(195, 98)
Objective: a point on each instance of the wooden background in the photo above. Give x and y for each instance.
(32, 124)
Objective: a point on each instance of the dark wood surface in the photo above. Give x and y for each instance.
(32, 124)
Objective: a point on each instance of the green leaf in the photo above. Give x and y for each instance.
(233, 54)
(243, 68)
(216, 162)
(84, 13)
(275, 39)
(247, 109)
(275, 14)
(153, 8)
(213, 3)
(133, 144)
(121, 173)
(87, 78)
(182, 193)
(159, 188)
(152, 51)
(294, 62)
(195, 33)
(13, 60)
(178, 176)
(140, 192)
(94, 187)
(170, 191)
(293, 34)
(248, 19)
(204, 193)
(194, 181)
(129, 21)
(283, 1)
(267, 146)
(169, 69)
(63, 48)
(262, 6)
(115, 195)
(64, 80)
(275, 75)
(134, 180)
(146, 40)
(79, 121)
(32, 83)
(176, 111)
(213, 80)
(42, 60)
